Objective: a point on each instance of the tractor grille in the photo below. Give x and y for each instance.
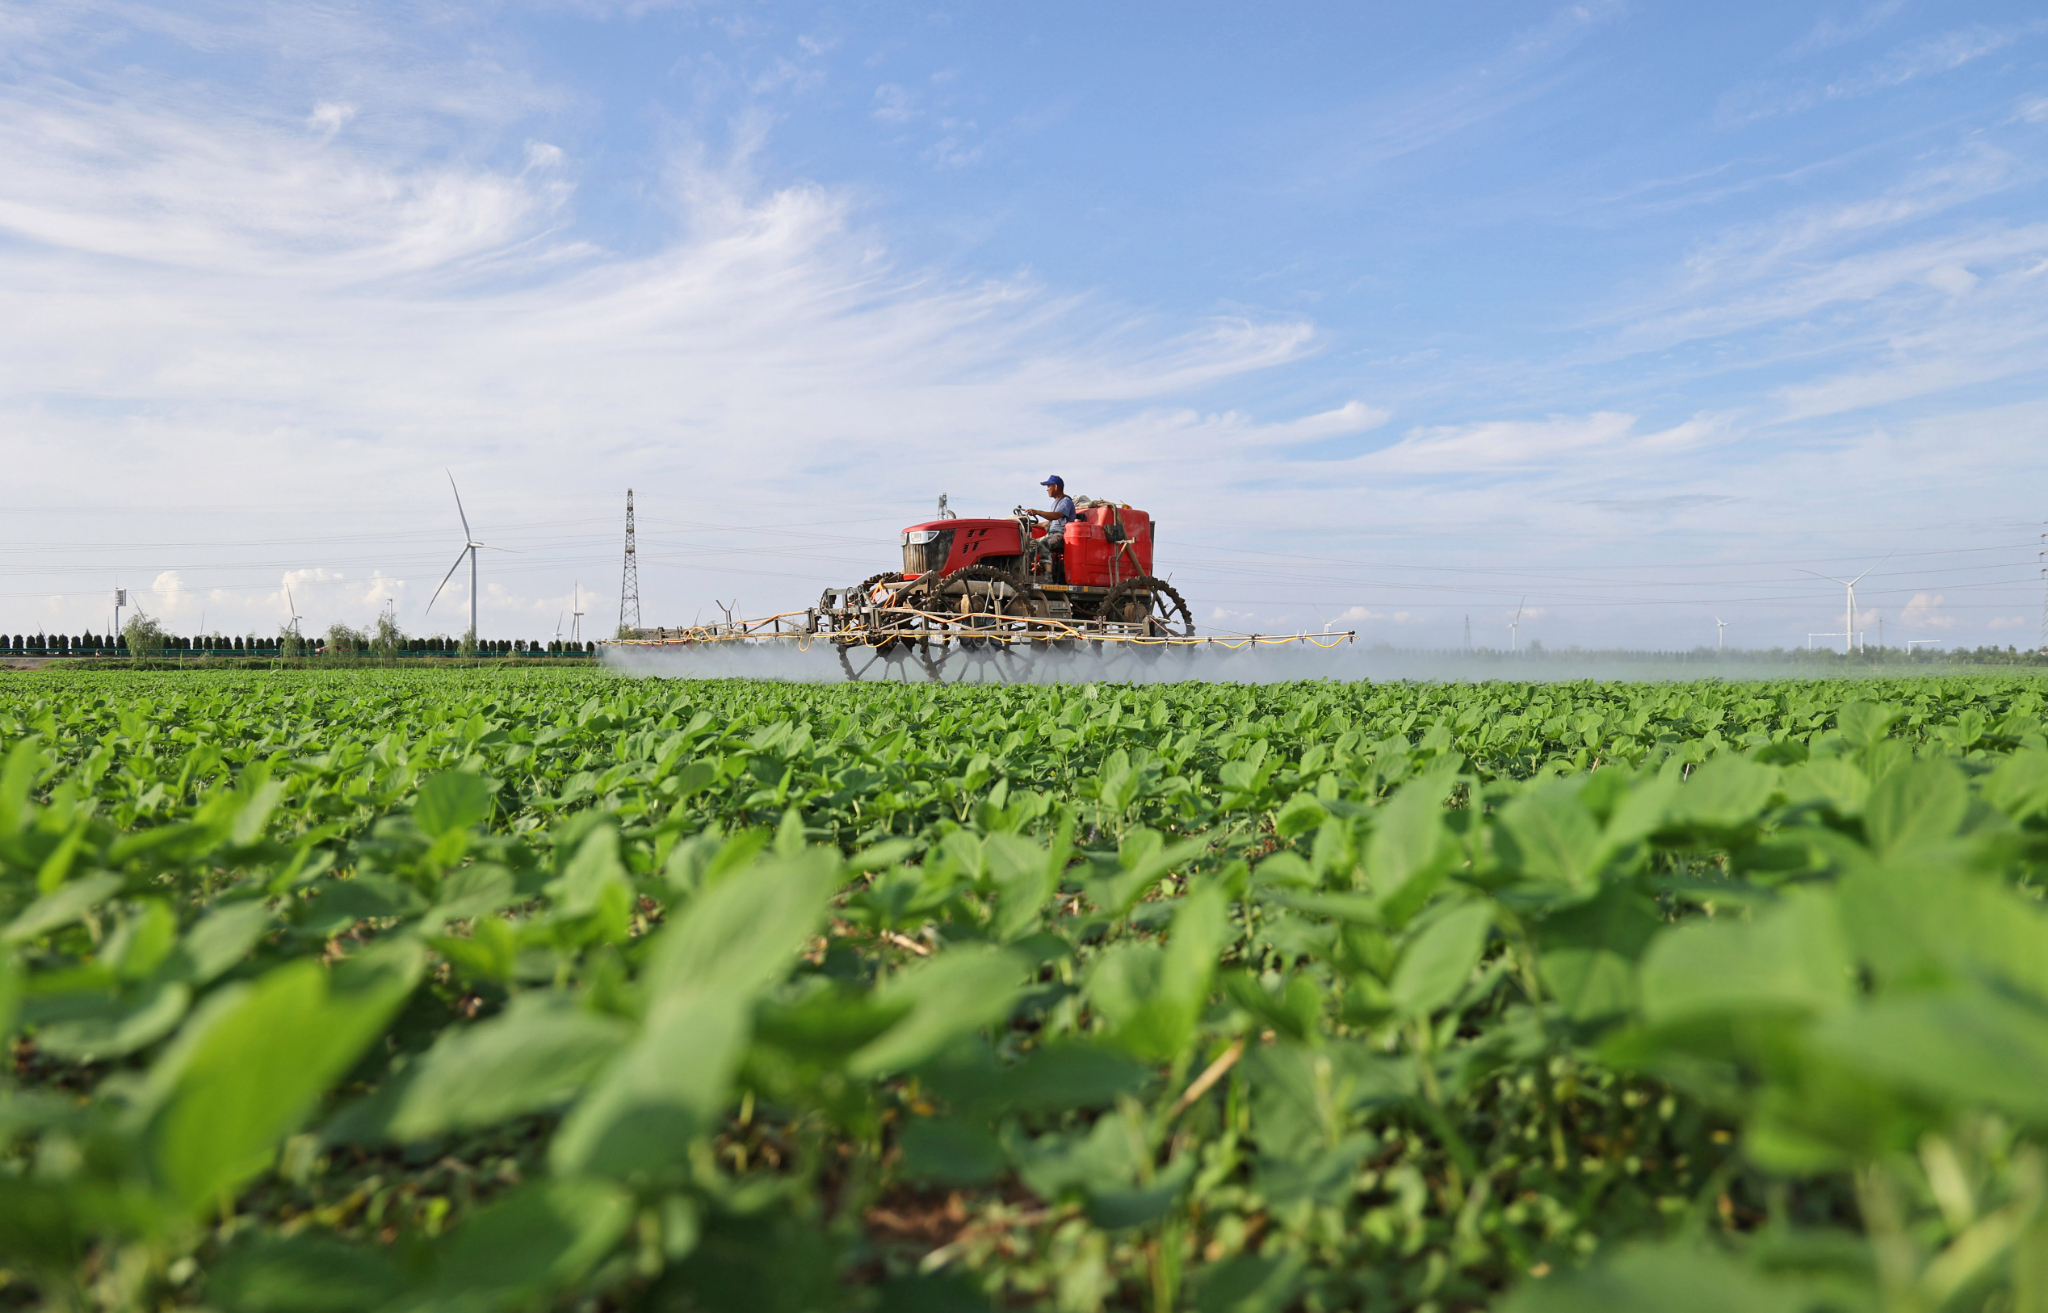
(926, 550)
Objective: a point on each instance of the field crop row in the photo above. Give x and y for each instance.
(535, 989)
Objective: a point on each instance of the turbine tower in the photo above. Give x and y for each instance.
(1515, 628)
(1720, 633)
(629, 585)
(576, 616)
(1849, 608)
(469, 548)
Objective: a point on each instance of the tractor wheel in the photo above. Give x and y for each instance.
(1152, 603)
(881, 650)
(981, 639)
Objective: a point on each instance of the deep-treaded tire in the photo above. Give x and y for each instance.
(1152, 602)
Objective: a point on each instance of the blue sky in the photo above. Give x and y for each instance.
(1394, 315)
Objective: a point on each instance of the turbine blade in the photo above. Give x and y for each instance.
(445, 578)
(466, 534)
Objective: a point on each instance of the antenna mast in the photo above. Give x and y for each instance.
(629, 584)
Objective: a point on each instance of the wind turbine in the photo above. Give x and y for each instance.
(576, 612)
(1849, 610)
(1720, 633)
(469, 546)
(292, 607)
(1515, 628)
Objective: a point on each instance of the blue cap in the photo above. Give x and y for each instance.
(1051, 480)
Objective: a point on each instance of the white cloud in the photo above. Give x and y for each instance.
(1952, 278)
(2009, 622)
(1830, 31)
(1924, 612)
(330, 117)
(170, 599)
(893, 104)
(1921, 57)
(1497, 446)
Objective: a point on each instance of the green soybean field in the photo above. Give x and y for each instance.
(511, 990)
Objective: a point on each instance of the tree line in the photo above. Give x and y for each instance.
(146, 637)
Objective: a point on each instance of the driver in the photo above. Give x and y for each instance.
(1060, 516)
(1062, 513)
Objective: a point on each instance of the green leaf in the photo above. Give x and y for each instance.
(1549, 837)
(1589, 952)
(1863, 723)
(263, 1056)
(1144, 858)
(1410, 850)
(666, 1090)
(451, 801)
(593, 867)
(1970, 1048)
(17, 778)
(949, 1151)
(1248, 1283)
(1726, 793)
(1675, 1278)
(87, 1027)
(956, 993)
(1025, 877)
(1153, 997)
(304, 1274)
(541, 1237)
(1791, 960)
(54, 911)
(1929, 927)
(703, 974)
(223, 938)
(1920, 804)
(538, 1054)
(1436, 964)
(1302, 814)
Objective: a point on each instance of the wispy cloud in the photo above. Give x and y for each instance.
(1501, 447)
(1831, 31)
(1926, 56)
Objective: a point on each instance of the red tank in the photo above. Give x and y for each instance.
(1108, 545)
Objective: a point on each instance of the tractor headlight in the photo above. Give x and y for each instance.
(919, 537)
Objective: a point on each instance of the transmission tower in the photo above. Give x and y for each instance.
(629, 586)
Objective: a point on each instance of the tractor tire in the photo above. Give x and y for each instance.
(988, 641)
(1151, 601)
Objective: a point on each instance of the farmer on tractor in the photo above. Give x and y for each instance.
(1060, 516)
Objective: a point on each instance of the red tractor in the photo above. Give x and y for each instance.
(982, 599)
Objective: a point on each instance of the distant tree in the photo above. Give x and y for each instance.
(387, 640)
(145, 636)
(342, 640)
